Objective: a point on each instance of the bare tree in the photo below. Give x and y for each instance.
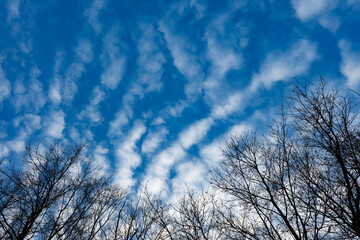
(328, 123)
(142, 217)
(196, 216)
(60, 194)
(56, 195)
(302, 180)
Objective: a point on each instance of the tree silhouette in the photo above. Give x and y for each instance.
(299, 181)
(302, 180)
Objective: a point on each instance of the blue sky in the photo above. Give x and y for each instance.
(155, 86)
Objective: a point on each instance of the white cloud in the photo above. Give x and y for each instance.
(350, 67)
(4, 151)
(55, 85)
(80, 134)
(176, 109)
(284, 65)
(221, 45)
(92, 14)
(150, 70)
(25, 125)
(13, 9)
(306, 9)
(3, 133)
(224, 45)
(26, 45)
(5, 86)
(198, 6)
(38, 97)
(156, 185)
(189, 175)
(185, 59)
(91, 111)
(122, 118)
(158, 121)
(151, 59)
(113, 73)
(98, 96)
(231, 104)
(84, 50)
(158, 171)
(20, 29)
(18, 143)
(54, 90)
(195, 132)
(73, 73)
(31, 122)
(330, 22)
(320, 10)
(180, 7)
(87, 135)
(30, 97)
(75, 135)
(65, 88)
(5, 89)
(211, 154)
(113, 61)
(101, 161)
(55, 124)
(240, 128)
(153, 140)
(223, 59)
(127, 156)
(165, 159)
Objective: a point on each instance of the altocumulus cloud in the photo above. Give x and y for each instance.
(5, 86)
(350, 64)
(55, 124)
(156, 86)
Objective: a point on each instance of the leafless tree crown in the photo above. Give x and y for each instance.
(299, 181)
(302, 180)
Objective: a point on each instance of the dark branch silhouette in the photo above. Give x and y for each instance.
(299, 181)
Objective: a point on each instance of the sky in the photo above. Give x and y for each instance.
(155, 87)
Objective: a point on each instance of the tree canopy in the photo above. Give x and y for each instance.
(298, 181)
